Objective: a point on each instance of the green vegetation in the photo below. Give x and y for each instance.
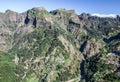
(37, 13)
(48, 47)
(7, 68)
(96, 68)
(51, 53)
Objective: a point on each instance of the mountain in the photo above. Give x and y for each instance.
(58, 46)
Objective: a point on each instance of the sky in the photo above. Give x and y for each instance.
(80, 6)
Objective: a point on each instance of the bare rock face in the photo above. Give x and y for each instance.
(39, 17)
(90, 47)
(22, 23)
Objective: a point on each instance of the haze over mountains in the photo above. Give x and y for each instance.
(104, 15)
(59, 46)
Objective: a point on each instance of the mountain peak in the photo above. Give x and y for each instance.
(39, 8)
(9, 11)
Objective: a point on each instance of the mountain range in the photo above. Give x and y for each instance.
(58, 46)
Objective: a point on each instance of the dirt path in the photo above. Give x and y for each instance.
(74, 80)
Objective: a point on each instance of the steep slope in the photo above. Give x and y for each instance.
(46, 53)
(58, 46)
(105, 65)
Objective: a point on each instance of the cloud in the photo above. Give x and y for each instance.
(104, 15)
